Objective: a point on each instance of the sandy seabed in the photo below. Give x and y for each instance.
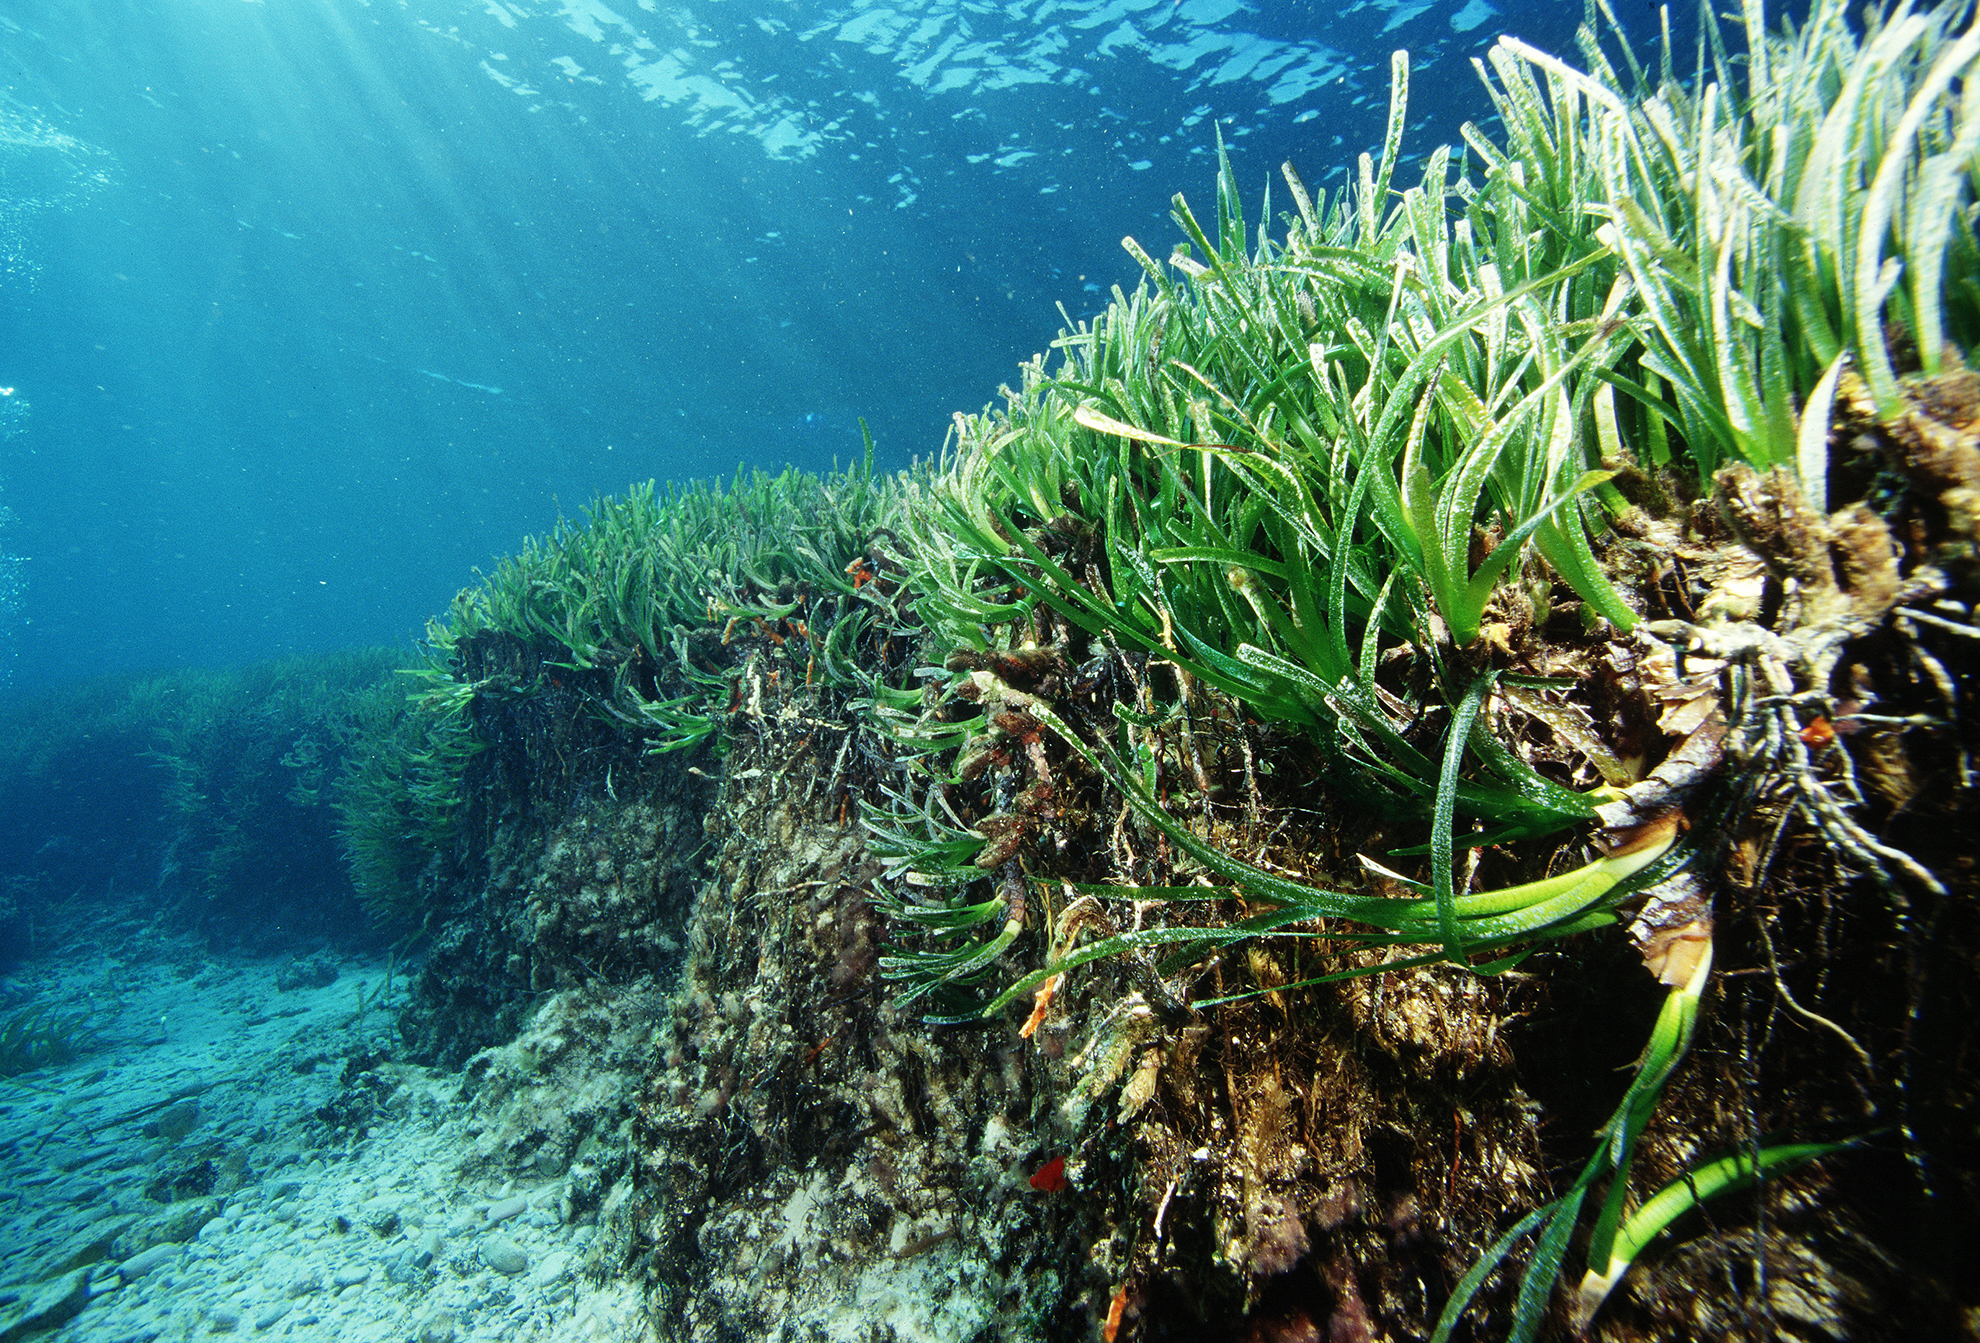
(228, 1155)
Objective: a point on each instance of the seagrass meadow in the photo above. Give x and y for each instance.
(1411, 780)
(206, 800)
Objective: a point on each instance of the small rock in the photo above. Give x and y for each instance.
(352, 1276)
(183, 1220)
(554, 1266)
(437, 1329)
(268, 1316)
(223, 1319)
(414, 1260)
(140, 1264)
(317, 972)
(89, 1244)
(504, 1256)
(507, 1208)
(80, 1192)
(175, 1123)
(305, 1283)
(45, 1305)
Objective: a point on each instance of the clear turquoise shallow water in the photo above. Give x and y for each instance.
(310, 306)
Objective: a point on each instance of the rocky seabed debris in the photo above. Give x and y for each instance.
(235, 1162)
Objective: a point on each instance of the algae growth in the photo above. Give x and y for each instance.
(1195, 861)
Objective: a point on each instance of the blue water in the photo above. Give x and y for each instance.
(308, 307)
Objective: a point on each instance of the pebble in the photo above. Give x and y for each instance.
(142, 1263)
(554, 1266)
(406, 1268)
(269, 1316)
(223, 1319)
(352, 1276)
(507, 1208)
(504, 1256)
(182, 1221)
